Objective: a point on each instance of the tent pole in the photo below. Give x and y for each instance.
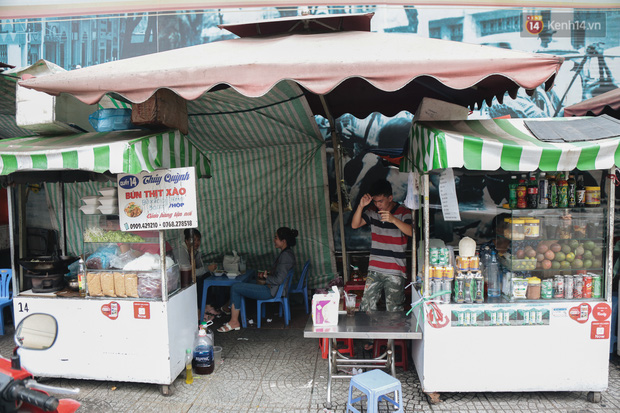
(336, 144)
(15, 282)
(426, 229)
(611, 202)
(64, 219)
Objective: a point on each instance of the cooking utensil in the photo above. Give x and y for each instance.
(47, 263)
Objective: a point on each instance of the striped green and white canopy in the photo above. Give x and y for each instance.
(118, 152)
(488, 145)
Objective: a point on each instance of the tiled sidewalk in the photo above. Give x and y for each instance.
(275, 369)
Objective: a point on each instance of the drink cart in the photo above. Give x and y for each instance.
(136, 320)
(536, 335)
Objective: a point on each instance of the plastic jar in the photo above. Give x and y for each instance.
(531, 228)
(593, 196)
(533, 288)
(508, 228)
(518, 229)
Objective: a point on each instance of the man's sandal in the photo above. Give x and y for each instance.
(223, 309)
(226, 328)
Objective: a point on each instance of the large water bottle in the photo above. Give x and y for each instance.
(203, 354)
(492, 276)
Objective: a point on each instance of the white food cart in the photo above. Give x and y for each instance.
(140, 338)
(464, 348)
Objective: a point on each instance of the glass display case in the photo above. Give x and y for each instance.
(128, 264)
(552, 253)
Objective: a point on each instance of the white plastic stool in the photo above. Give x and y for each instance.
(375, 384)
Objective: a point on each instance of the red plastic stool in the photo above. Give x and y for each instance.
(397, 343)
(324, 346)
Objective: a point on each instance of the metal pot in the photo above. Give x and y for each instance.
(47, 263)
(73, 284)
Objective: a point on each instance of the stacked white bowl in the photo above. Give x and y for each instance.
(108, 202)
(90, 205)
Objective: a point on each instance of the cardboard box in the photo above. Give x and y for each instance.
(433, 109)
(164, 108)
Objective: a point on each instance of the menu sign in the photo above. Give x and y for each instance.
(161, 199)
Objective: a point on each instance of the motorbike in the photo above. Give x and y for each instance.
(19, 391)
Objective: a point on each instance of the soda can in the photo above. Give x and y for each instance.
(446, 285)
(597, 287)
(526, 316)
(448, 272)
(539, 316)
(569, 285)
(587, 286)
(578, 286)
(558, 286)
(474, 263)
(461, 318)
(459, 289)
(434, 256)
(463, 263)
(444, 256)
(432, 272)
(547, 288)
(499, 317)
(507, 317)
(493, 318)
(435, 287)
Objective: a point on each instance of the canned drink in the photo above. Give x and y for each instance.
(432, 272)
(469, 280)
(446, 285)
(526, 317)
(547, 288)
(435, 287)
(493, 318)
(461, 318)
(434, 256)
(533, 316)
(459, 289)
(448, 272)
(569, 285)
(558, 286)
(597, 287)
(587, 286)
(463, 263)
(578, 287)
(474, 263)
(444, 256)
(479, 290)
(539, 314)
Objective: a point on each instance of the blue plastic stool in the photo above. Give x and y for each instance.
(375, 384)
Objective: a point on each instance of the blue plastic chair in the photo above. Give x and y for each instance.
(302, 286)
(261, 311)
(6, 297)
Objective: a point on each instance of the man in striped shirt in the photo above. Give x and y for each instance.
(390, 225)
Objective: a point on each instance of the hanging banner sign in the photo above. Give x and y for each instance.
(162, 199)
(447, 194)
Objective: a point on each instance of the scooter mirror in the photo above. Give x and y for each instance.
(36, 332)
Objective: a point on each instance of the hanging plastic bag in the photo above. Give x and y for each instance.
(412, 200)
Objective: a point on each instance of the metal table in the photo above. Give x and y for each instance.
(221, 281)
(364, 325)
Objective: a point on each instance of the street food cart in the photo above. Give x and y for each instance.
(135, 323)
(509, 343)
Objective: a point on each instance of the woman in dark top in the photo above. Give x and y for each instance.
(283, 240)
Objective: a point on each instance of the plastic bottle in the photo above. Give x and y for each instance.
(492, 276)
(532, 193)
(512, 192)
(82, 284)
(521, 194)
(543, 191)
(572, 191)
(189, 358)
(562, 192)
(205, 326)
(581, 192)
(553, 192)
(203, 362)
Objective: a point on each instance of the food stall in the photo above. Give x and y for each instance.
(137, 320)
(554, 341)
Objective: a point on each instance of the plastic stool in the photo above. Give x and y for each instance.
(397, 343)
(375, 384)
(324, 346)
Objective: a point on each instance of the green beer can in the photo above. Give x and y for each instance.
(597, 286)
(547, 288)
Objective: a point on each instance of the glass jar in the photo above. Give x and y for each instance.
(565, 230)
(518, 229)
(531, 228)
(533, 288)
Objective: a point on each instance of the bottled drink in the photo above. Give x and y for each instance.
(581, 192)
(572, 191)
(203, 354)
(512, 192)
(189, 377)
(521, 194)
(532, 193)
(492, 276)
(562, 192)
(82, 284)
(553, 192)
(543, 191)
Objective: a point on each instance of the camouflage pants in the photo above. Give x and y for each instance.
(394, 286)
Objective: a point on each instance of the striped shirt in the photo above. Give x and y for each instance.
(389, 244)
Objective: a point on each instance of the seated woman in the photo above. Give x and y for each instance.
(193, 236)
(283, 240)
